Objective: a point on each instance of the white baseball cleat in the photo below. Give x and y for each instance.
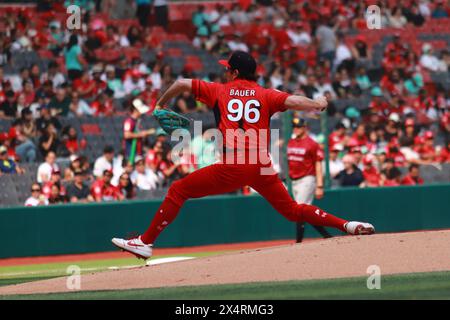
(134, 246)
(359, 228)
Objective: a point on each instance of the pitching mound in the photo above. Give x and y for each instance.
(332, 258)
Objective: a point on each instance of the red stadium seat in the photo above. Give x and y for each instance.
(91, 129)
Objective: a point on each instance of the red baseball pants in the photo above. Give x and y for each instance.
(223, 178)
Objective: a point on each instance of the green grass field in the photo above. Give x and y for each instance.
(434, 285)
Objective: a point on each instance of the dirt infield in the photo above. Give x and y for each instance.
(156, 252)
(331, 258)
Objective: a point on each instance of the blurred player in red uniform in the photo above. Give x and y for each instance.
(243, 110)
(305, 171)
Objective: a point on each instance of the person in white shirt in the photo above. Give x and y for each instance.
(336, 164)
(424, 8)
(104, 162)
(237, 15)
(323, 87)
(134, 83)
(237, 44)
(429, 61)
(53, 74)
(142, 177)
(343, 52)
(298, 35)
(46, 168)
(37, 198)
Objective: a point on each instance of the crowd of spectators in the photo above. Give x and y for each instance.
(301, 47)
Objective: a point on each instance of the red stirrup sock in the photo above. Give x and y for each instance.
(317, 217)
(166, 213)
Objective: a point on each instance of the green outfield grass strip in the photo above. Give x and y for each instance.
(59, 268)
(435, 285)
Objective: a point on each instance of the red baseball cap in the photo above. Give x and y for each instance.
(356, 149)
(418, 140)
(367, 160)
(409, 122)
(135, 73)
(429, 135)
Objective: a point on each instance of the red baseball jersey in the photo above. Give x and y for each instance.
(410, 181)
(99, 190)
(241, 104)
(302, 157)
(372, 177)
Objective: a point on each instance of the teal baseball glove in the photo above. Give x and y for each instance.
(170, 120)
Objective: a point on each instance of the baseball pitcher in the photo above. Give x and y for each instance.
(241, 108)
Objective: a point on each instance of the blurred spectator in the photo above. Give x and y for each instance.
(45, 119)
(60, 103)
(133, 35)
(132, 130)
(298, 35)
(414, 16)
(360, 49)
(343, 57)
(201, 20)
(351, 175)
(126, 186)
(8, 108)
(55, 179)
(444, 155)
(363, 79)
(56, 196)
(74, 58)
(78, 191)
(8, 165)
(337, 137)
(85, 86)
(427, 151)
(70, 141)
(143, 11)
(413, 176)
(55, 38)
(372, 178)
(439, 11)
(134, 84)
(79, 107)
(103, 104)
(143, 178)
(75, 164)
(185, 103)
(391, 174)
(327, 40)
(162, 13)
(25, 147)
(335, 162)
(49, 141)
(114, 83)
(46, 168)
(397, 19)
(237, 43)
(36, 198)
(429, 61)
(237, 14)
(104, 162)
(103, 190)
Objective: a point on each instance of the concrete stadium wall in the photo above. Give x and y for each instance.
(67, 229)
